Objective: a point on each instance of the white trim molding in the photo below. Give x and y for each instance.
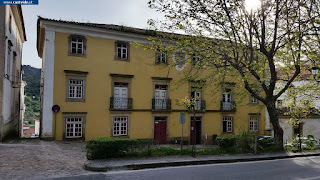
(48, 70)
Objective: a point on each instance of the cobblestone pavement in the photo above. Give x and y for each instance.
(36, 159)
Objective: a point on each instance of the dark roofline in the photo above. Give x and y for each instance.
(114, 27)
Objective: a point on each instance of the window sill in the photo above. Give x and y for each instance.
(77, 55)
(120, 59)
(120, 136)
(226, 133)
(161, 64)
(75, 100)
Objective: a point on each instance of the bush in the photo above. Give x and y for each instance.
(110, 147)
(227, 143)
(310, 143)
(267, 145)
(245, 141)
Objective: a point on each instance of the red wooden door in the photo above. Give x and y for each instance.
(198, 128)
(160, 131)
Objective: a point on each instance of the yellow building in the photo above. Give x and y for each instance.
(105, 86)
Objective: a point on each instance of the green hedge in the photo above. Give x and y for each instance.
(227, 142)
(110, 147)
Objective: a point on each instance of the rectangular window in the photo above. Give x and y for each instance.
(227, 103)
(74, 127)
(75, 88)
(254, 123)
(120, 95)
(8, 69)
(122, 50)
(120, 126)
(77, 45)
(160, 96)
(196, 95)
(161, 57)
(227, 123)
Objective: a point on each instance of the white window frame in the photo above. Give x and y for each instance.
(77, 43)
(253, 123)
(161, 57)
(82, 87)
(8, 70)
(120, 122)
(162, 98)
(73, 125)
(78, 88)
(123, 47)
(229, 120)
(119, 101)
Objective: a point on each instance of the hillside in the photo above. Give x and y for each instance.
(32, 90)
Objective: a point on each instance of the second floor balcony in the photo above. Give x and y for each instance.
(161, 104)
(228, 106)
(120, 103)
(199, 105)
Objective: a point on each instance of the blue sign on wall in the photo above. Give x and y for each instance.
(19, 2)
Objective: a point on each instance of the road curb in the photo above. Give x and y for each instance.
(92, 167)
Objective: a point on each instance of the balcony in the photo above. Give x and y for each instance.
(200, 105)
(283, 109)
(228, 106)
(120, 103)
(161, 104)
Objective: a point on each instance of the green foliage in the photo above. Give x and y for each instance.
(310, 143)
(110, 147)
(227, 143)
(245, 141)
(32, 77)
(32, 90)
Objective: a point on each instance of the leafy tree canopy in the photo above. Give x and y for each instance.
(263, 47)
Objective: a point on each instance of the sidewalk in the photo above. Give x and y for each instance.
(156, 162)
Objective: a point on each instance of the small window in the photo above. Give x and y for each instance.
(77, 45)
(74, 127)
(120, 126)
(76, 88)
(254, 123)
(254, 100)
(122, 50)
(9, 55)
(161, 57)
(227, 123)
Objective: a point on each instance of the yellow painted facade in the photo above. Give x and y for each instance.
(100, 63)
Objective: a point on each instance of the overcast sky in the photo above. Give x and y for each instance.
(134, 13)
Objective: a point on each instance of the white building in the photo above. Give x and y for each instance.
(12, 36)
(309, 125)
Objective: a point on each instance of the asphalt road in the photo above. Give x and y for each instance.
(298, 168)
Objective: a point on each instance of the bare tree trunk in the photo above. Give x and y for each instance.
(274, 119)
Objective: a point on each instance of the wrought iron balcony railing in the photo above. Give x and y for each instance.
(161, 104)
(120, 103)
(200, 105)
(228, 106)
